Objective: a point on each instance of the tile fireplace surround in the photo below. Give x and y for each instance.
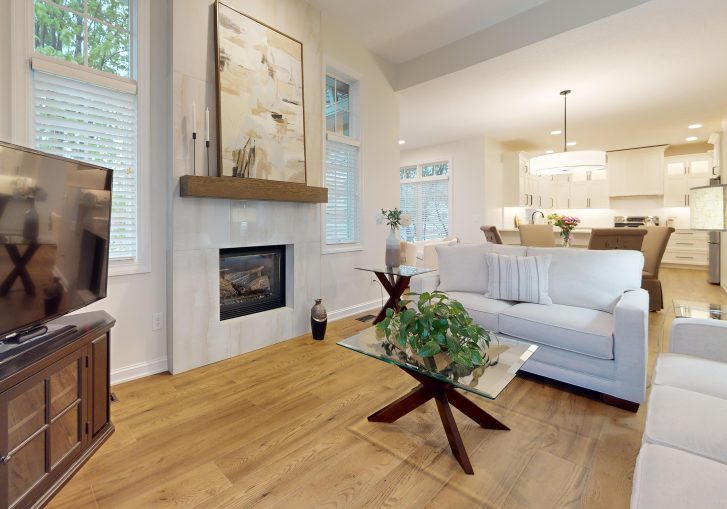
(201, 228)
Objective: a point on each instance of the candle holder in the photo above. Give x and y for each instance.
(194, 153)
(207, 147)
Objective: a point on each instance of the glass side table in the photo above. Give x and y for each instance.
(395, 281)
(696, 309)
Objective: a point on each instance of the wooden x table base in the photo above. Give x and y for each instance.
(445, 395)
(395, 290)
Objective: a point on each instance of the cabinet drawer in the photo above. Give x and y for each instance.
(687, 244)
(685, 257)
(689, 234)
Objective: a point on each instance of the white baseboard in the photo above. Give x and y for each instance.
(354, 310)
(140, 370)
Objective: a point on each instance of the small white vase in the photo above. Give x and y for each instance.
(393, 248)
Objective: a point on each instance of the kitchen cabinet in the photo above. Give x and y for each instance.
(636, 172)
(588, 190)
(687, 247)
(681, 173)
(521, 189)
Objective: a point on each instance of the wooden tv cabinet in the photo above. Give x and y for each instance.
(54, 409)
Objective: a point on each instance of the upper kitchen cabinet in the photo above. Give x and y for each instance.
(683, 173)
(520, 188)
(636, 172)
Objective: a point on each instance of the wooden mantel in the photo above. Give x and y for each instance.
(235, 188)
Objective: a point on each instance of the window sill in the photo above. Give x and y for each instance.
(343, 248)
(127, 268)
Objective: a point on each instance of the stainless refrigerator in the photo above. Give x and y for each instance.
(714, 262)
(713, 246)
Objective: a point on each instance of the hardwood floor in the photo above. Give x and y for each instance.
(286, 427)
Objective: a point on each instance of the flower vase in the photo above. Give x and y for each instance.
(393, 248)
(566, 238)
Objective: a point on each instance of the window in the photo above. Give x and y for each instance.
(85, 98)
(342, 166)
(425, 197)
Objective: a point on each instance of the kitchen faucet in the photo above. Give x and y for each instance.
(532, 216)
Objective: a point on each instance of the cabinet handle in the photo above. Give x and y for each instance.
(686, 257)
(5, 459)
(684, 243)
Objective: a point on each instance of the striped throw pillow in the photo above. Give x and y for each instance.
(518, 278)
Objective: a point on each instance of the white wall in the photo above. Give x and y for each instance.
(345, 290)
(476, 182)
(723, 236)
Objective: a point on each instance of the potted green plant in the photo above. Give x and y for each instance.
(439, 330)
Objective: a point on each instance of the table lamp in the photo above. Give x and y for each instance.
(708, 208)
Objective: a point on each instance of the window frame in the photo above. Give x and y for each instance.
(354, 139)
(23, 56)
(420, 179)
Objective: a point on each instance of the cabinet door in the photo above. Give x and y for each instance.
(45, 421)
(99, 390)
(675, 190)
(598, 190)
(562, 191)
(579, 191)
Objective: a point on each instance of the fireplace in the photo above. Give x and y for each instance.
(252, 279)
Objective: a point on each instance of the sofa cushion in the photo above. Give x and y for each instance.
(483, 311)
(667, 478)
(591, 279)
(692, 373)
(518, 278)
(580, 330)
(462, 268)
(687, 420)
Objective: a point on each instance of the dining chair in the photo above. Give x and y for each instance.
(655, 242)
(491, 234)
(537, 235)
(617, 238)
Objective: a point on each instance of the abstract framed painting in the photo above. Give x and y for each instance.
(260, 111)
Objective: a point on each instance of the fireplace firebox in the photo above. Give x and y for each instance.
(252, 279)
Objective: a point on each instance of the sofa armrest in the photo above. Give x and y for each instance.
(699, 337)
(631, 342)
(424, 283)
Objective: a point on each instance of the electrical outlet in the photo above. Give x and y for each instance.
(157, 321)
(374, 280)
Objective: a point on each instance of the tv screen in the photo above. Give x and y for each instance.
(54, 236)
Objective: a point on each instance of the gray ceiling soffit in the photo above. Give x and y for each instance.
(541, 22)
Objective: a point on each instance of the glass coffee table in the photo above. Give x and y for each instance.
(696, 309)
(395, 281)
(439, 381)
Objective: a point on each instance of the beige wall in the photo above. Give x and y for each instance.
(476, 182)
(343, 288)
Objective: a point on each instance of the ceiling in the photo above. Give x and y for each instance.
(638, 77)
(401, 30)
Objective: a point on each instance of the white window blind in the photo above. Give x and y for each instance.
(97, 125)
(342, 181)
(424, 195)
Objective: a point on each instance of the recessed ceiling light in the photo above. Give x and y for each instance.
(401, 142)
(549, 151)
(691, 138)
(694, 126)
(571, 144)
(556, 132)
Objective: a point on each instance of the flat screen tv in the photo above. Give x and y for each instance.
(54, 236)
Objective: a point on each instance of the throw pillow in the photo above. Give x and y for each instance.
(462, 268)
(518, 278)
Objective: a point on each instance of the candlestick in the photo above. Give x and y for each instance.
(194, 153)
(207, 125)
(209, 170)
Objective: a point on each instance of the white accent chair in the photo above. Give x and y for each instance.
(683, 459)
(423, 254)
